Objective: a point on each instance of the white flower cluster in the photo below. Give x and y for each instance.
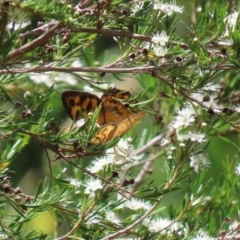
(55, 77)
(136, 7)
(91, 185)
(185, 120)
(206, 98)
(157, 225)
(202, 235)
(159, 40)
(136, 204)
(160, 44)
(112, 218)
(231, 22)
(168, 8)
(111, 215)
(121, 155)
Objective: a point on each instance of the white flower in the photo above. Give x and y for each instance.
(182, 145)
(202, 235)
(136, 7)
(197, 96)
(160, 39)
(27, 95)
(4, 236)
(231, 20)
(93, 220)
(187, 111)
(212, 87)
(18, 25)
(163, 7)
(92, 185)
(80, 122)
(123, 175)
(146, 222)
(176, 8)
(225, 42)
(159, 50)
(136, 204)
(164, 142)
(53, 77)
(237, 170)
(168, 8)
(157, 225)
(237, 108)
(212, 103)
(99, 164)
(185, 117)
(75, 182)
(112, 217)
(199, 9)
(159, 44)
(182, 137)
(197, 137)
(125, 146)
(199, 162)
(122, 153)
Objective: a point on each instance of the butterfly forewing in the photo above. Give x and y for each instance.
(113, 110)
(78, 104)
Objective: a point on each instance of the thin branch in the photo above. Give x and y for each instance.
(40, 69)
(155, 140)
(19, 52)
(83, 4)
(37, 31)
(113, 33)
(145, 169)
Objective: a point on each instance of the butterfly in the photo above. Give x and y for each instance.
(115, 118)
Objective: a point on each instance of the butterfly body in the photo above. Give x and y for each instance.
(115, 117)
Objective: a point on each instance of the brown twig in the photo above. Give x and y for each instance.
(144, 170)
(19, 52)
(83, 4)
(153, 141)
(42, 69)
(37, 31)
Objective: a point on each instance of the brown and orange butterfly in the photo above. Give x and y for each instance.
(115, 117)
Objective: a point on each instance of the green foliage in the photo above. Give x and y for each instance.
(174, 174)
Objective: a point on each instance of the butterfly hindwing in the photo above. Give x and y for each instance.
(105, 134)
(113, 130)
(124, 126)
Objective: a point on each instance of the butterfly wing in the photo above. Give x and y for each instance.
(115, 111)
(115, 118)
(111, 131)
(124, 126)
(104, 134)
(78, 104)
